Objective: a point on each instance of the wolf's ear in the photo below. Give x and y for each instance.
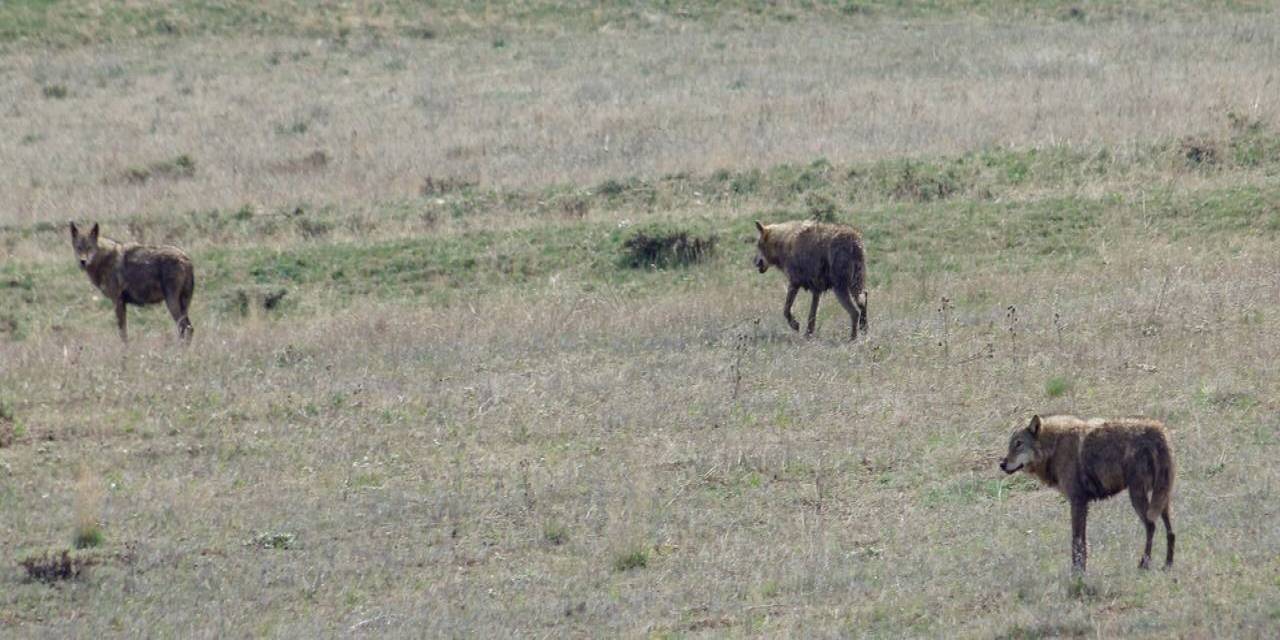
(1034, 427)
(93, 233)
(74, 231)
(760, 228)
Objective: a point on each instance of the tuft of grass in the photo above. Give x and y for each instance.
(821, 207)
(87, 536)
(180, 167)
(274, 540)
(634, 558)
(432, 186)
(87, 510)
(1048, 630)
(1057, 386)
(555, 533)
(660, 246)
(292, 128)
(8, 427)
(54, 91)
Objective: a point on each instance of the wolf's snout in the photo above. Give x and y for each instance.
(83, 263)
(1004, 466)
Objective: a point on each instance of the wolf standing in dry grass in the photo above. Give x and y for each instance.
(817, 257)
(1094, 459)
(138, 275)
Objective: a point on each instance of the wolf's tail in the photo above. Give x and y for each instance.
(859, 281)
(1162, 483)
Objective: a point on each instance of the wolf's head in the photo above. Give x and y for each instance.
(85, 244)
(762, 259)
(1024, 447)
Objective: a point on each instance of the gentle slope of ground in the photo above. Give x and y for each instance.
(431, 394)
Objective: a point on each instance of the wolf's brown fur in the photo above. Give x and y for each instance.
(138, 275)
(817, 257)
(1095, 459)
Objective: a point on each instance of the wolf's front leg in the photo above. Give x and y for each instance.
(1079, 538)
(792, 290)
(121, 322)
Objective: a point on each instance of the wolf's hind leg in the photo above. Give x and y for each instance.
(861, 299)
(179, 312)
(1138, 496)
(1168, 537)
(854, 314)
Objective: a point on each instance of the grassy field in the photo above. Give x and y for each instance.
(433, 392)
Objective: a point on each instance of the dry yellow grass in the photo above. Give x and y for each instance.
(583, 107)
(588, 451)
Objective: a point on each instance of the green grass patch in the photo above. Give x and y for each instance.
(1057, 386)
(87, 536)
(631, 559)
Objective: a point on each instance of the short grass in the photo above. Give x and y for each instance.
(455, 407)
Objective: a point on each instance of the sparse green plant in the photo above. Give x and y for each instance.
(632, 558)
(182, 166)
(659, 246)
(1057, 386)
(274, 540)
(87, 537)
(555, 533)
(295, 127)
(821, 207)
(88, 506)
(55, 91)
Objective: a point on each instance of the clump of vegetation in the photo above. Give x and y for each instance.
(1199, 151)
(1057, 386)
(247, 300)
(555, 533)
(662, 246)
(611, 188)
(88, 506)
(634, 558)
(311, 228)
(314, 161)
(8, 430)
(87, 536)
(1252, 143)
(574, 207)
(55, 91)
(821, 208)
(182, 166)
(294, 128)
(277, 540)
(920, 183)
(52, 565)
(440, 186)
(11, 326)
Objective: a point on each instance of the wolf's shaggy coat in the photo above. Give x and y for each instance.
(817, 257)
(138, 275)
(1095, 459)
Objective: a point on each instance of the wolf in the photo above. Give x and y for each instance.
(817, 257)
(1095, 459)
(138, 275)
